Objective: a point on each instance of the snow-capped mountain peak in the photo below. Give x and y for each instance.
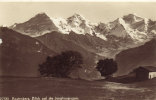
(129, 26)
(76, 20)
(61, 24)
(76, 23)
(76, 17)
(41, 14)
(38, 25)
(132, 18)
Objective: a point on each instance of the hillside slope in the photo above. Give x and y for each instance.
(61, 42)
(144, 55)
(20, 55)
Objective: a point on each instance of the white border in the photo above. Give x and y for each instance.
(77, 0)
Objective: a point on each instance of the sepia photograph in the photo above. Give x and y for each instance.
(77, 50)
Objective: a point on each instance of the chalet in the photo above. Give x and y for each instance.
(139, 74)
(145, 72)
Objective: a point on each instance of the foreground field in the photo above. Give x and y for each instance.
(83, 90)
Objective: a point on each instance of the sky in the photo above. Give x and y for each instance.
(18, 12)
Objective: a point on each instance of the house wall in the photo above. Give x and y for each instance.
(142, 74)
(152, 75)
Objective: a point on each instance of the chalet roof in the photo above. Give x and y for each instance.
(150, 68)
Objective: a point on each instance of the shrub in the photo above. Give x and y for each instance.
(61, 65)
(107, 67)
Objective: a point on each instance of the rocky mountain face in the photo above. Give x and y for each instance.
(20, 55)
(36, 26)
(130, 59)
(59, 43)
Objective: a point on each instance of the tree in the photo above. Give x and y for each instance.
(107, 67)
(61, 65)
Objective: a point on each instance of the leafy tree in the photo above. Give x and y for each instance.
(107, 67)
(61, 65)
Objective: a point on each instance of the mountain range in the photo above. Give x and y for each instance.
(93, 40)
(129, 26)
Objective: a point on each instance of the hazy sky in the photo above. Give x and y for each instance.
(11, 13)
